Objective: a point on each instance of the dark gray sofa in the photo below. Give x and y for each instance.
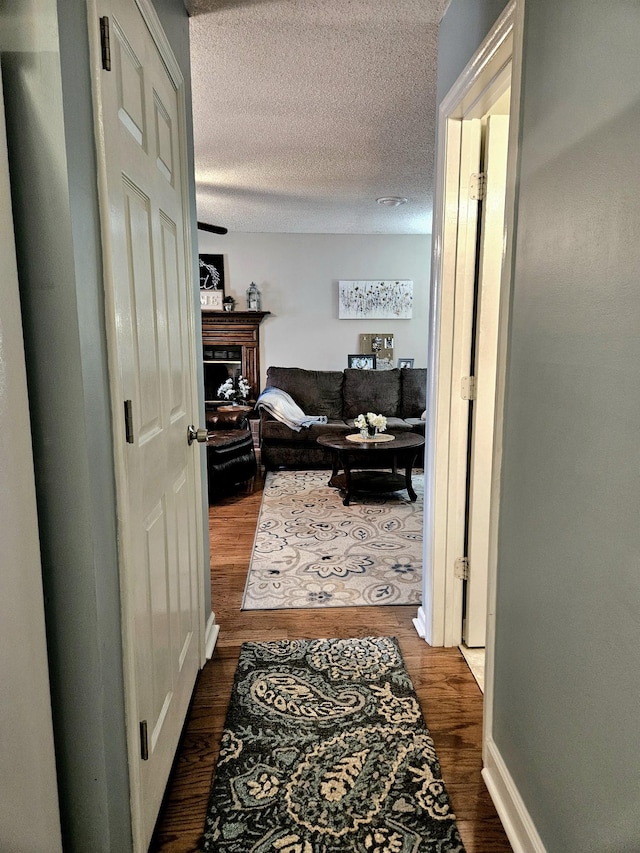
(341, 395)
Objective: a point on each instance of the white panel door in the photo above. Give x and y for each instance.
(149, 299)
(491, 251)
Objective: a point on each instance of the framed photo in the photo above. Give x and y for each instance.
(362, 361)
(405, 362)
(211, 282)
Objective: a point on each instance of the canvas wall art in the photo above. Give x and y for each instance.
(375, 300)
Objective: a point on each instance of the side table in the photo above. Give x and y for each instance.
(229, 417)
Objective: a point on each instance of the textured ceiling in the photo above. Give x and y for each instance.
(306, 111)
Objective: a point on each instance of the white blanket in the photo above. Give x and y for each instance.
(285, 409)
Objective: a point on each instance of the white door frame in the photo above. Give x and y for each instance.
(439, 619)
(481, 426)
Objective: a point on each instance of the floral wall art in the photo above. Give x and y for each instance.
(375, 300)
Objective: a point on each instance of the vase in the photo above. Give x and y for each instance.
(371, 431)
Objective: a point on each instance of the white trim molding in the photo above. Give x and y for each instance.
(420, 623)
(511, 809)
(211, 636)
(488, 72)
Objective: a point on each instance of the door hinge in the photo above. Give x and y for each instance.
(144, 741)
(478, 186)
(128, 421)
(468, 387)
(105, 42)
(461, 568)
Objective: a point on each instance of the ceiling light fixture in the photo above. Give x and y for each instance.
(391, 200)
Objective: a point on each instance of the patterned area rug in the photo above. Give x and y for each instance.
(311, 551)
(325, 751)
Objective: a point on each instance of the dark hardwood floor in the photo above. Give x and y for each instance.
(450, 698)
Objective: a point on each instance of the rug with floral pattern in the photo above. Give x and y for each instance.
(311, 551)
(325, 750)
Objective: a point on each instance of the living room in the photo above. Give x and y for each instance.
(298, 274)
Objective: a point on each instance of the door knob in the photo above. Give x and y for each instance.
(193, 434)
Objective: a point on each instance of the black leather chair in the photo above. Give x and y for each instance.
(231, 460)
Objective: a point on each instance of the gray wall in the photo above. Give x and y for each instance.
(51, 148)
(27, 755)
(567, 680)
(57, 244)
(461, 31)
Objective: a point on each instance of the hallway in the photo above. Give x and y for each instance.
(449, 695)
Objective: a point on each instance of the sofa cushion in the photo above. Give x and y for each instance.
(275, 431)
(371, 391)
(416, 425)
(413, 385)
(393, 425)
(317, 392)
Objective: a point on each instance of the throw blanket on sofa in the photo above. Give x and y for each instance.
(284, 408)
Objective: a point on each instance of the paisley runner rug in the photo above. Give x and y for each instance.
(311, 551)
(325, 750)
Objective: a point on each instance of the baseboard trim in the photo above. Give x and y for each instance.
(511, 809)
(210, 636)
(420, 623)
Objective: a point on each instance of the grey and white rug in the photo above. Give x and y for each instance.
(311, 551)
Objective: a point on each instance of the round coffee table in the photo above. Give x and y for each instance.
(347, 453)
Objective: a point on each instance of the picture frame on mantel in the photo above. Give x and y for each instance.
(211, 282)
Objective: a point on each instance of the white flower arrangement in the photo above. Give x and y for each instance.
(371, 421)
(234, 389)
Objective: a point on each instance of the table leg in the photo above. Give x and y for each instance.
(407, 477)
(336, 466)
(344, 459)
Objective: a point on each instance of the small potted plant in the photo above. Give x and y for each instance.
(228, 303)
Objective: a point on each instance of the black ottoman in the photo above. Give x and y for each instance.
(230, 459)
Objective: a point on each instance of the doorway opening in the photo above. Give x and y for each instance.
(477, 145)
